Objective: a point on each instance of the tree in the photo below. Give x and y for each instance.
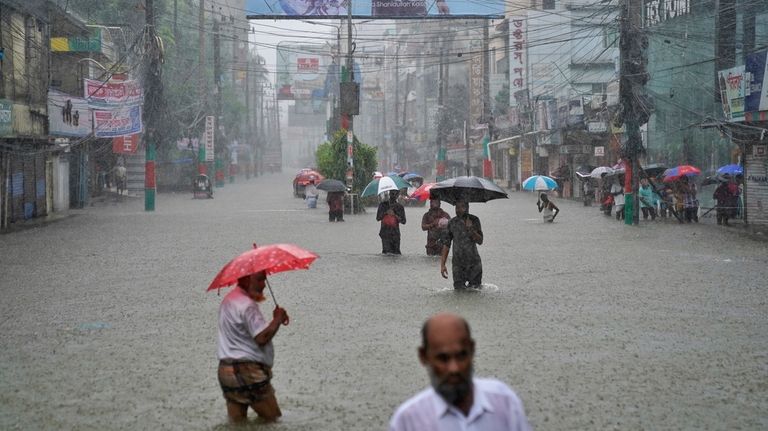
(331, 159)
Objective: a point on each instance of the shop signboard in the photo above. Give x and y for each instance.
(128, 144)
(6, 117)
(518, 60)
(208, 138)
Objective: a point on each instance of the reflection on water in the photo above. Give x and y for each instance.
(483, 288)
(291, 420)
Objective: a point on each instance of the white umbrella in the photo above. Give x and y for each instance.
(386, 184)
(602, 170)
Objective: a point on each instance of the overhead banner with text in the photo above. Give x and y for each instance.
(374, 8)
(111, 123)
(113, 92)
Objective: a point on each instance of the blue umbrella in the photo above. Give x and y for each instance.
(539, 183)
(409, 176)
(730, 170)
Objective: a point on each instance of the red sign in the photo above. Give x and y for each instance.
(126, 144)
(111, 92)
(308, 65)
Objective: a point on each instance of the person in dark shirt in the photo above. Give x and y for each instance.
(465, 233)
(335, 206)
(391, 214)
(434, 222)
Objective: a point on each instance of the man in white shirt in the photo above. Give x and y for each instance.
(245, 350)
(456, 400)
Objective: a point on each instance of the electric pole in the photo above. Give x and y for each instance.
(202, 86)
(219, 162)
(634, 103)
(153, 105)
(440, 170)
(397, 103)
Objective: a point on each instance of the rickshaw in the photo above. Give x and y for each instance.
(202, 187)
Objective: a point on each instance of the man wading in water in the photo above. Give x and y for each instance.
(465, 233)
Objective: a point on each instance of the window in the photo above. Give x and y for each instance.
(548, 4)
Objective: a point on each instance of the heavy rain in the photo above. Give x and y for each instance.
(236, 214)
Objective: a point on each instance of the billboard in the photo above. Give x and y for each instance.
(301, 71)
(757, 95)
(113, 92)
(68, 116)
(110, 123)
(374, 8)
(733, 84)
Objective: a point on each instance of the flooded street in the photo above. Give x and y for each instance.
(105, 322)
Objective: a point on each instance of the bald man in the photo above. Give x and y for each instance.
(457, 400)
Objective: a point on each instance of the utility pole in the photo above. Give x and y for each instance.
(350, 61)
(440, 171)
(153, 105)
(397, 103)
(219, 162)
(248, 114)
(633, 76)
(404, 162)
(202, 85)
(175, 20)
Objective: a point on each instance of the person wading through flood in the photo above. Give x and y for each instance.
(465, 233)
(335, 206)
(546, 208)
(434, 222)
(245, 350)
(456, 399)
(391, 214)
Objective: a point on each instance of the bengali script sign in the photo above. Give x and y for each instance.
(110, 123)
(113, 92)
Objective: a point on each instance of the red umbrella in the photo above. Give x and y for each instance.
(272, 258)
(422, 193)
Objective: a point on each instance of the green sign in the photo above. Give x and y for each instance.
(6, 118)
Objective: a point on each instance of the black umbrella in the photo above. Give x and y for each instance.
(467, 189)
(655, 169)
(332, 186)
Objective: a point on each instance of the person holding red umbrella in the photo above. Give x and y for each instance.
(245, 350)
(245, 336)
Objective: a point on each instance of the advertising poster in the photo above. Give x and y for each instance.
(68, 116)
(732, 88)
(757, 96)
(111, 123)
(113, 92)
(374, 8)
(301, 71)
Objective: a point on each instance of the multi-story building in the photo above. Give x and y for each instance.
(24, 164)
(562, 57)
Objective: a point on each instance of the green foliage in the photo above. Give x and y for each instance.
(502, 100)
(331, 160)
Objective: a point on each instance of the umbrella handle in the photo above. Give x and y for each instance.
(269, 286)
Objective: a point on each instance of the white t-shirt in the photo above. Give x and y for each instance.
(619, 198)
(495, 408)
(240, 320)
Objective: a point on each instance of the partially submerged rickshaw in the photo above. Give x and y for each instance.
(202, 188)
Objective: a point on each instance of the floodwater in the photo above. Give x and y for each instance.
(105, 322)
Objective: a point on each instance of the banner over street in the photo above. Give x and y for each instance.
(374, 8)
